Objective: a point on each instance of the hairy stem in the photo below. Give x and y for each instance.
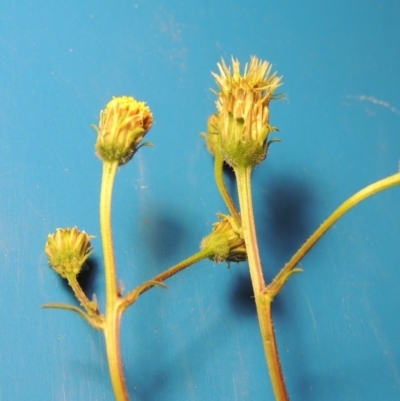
(262, 297)
(358, 197)
(113, 348)
(219, 178)
(160, 278)
(249, 228)
(113, 310)
(107, 184)
(96, 320)
(79, 294)
(270, 347)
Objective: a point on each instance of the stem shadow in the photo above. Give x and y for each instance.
(164, 235)
(286, 218)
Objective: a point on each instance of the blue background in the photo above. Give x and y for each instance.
(337, 323)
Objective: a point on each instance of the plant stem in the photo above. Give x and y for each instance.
(271, 348)
(358, 197)
(204, 253)
(262, 297)
(160, 278)
(80, 295)
(107, 183)
(219, 178)
(112, 337)
(113, 310)
(96, 320)
(249, 230)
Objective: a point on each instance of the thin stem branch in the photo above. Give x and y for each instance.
(219, 178)
(97, 324)
(160, 278)
(77, 289)
(361, 195)
(262, 297)
(91, 307)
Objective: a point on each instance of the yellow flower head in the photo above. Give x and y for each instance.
(68, 250)
(123, 124)
(225, 242)
(243, 107)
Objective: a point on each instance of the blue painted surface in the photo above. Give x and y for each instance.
(337, 323)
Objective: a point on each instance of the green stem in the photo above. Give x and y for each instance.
(113, 348)
(90, 307)
(107, 183)
(270, 347)
(79, 294)
(160, 278)
(262, 297)
(249, 230)
(113, 302)
(365, 193)
(219, 178)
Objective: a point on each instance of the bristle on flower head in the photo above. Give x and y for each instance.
(243, 110)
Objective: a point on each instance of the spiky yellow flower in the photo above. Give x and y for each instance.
(243, 108)
(68, 250)
(225, 242)
(123, 124)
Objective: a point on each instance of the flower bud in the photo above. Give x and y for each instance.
(225, 242)
(123, 124)
(243, 106)
(68, 250)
